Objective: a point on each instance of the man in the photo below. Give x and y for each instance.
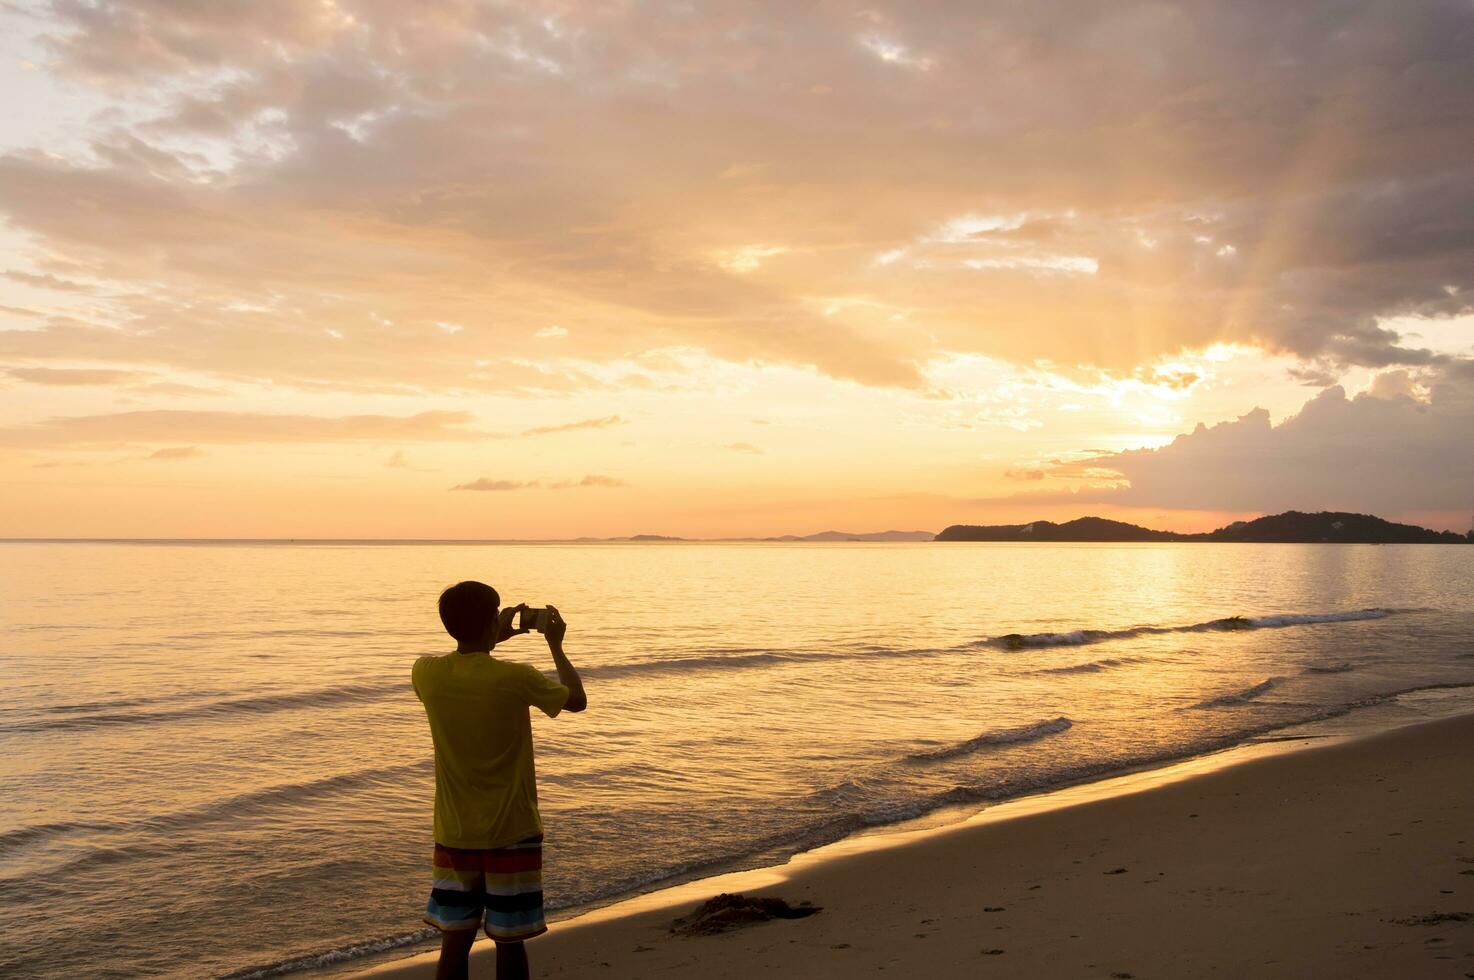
(488, 832)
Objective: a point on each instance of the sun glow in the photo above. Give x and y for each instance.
(303, 273)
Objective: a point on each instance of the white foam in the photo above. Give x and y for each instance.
(1308, 619)
(342, 954)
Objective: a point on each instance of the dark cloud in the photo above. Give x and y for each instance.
(1383, 452)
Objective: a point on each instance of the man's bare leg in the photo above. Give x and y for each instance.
(455, 950)
(511, 961)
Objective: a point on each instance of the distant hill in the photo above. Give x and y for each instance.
(821, 536)
(1333, 527)
(1080, 529)
(850, 536)
(1289, 527)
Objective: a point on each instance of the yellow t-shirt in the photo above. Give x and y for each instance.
(485, 783)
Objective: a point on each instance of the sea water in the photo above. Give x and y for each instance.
(212, 761)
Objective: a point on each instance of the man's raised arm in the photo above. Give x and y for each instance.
(567, 674)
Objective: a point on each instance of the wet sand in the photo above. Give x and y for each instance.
(1344, 859)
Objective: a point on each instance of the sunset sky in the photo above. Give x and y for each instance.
(454, 269)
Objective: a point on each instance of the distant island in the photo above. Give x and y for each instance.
(820, 536)
(1290, 527)
(850, 536)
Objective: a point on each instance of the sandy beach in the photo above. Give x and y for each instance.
(1350, 858)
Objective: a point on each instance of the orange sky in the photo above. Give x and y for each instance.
(459, 270)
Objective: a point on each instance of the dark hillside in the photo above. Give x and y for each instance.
(1289, 527)
(1331, 526)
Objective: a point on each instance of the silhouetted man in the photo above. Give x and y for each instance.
(488, 832)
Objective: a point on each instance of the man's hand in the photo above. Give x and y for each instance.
(504, 620)
(556, 629)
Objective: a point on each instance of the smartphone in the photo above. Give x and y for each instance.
(534, 618)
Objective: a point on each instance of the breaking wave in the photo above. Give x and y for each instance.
(1022, 641)
(1094, 666)
(343, 954)
(73, 717)
(1003, 736)
(1243, 696)
(261, 800)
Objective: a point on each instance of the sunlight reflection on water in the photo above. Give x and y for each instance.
(240, 715)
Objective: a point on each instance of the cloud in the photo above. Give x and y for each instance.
(592, 480)
(176, 389)
(553, 332)
(1382, 452)
(176, 425)
(172, 425)
(601, 423)
(744, 447)
(176, 452)
(44, 281)
(71, 376)
(124, 380)
(488, 484)
(1251, 181)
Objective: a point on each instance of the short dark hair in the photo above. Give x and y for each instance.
(467, 608)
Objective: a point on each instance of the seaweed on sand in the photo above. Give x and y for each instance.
(734, 911)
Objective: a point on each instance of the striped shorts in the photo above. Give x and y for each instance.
(500, 886)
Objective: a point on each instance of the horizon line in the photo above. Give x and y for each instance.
(829, 536)
(618, 539)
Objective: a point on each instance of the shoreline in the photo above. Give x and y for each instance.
(953, 828)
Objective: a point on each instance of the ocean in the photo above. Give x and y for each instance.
(213, 763)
